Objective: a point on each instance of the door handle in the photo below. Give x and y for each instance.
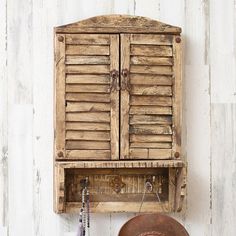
(125, 84)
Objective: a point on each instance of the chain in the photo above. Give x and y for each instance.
(148, 186)
(88, 211)
(83, 211)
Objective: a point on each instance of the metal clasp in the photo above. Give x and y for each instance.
(125, 85)
(114, 80)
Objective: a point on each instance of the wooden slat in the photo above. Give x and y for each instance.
(151, 100)
(87, 97)
(151, 50)
(150, 129)
(88, 79)
(151, 90)
(153, 39)
(71, 145)
(125, 99)
(87, 126)
(159, 153)
(177, 97)
(150, 138)
(87, 106)
(88, 116)
(114, 58)
(87, 50)
(138, 153)
(88, 135)
(150, 79)
(142, 153)
(102, 39)
(150, 119)
(148, 110)
(85, 88)
(151, 145)
(145, 60)
(88, 69)
(161, 70)
(89, 154)
(87, 60)
(59, 67)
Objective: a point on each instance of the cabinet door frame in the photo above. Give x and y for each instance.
(176, 98)
(61, 152)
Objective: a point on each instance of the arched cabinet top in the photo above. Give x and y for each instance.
(118, 24)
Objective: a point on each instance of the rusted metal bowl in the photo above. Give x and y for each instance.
(152, 225)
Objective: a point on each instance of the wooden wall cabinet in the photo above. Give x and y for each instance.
(118, 114)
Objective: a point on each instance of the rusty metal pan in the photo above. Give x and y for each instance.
(152, 225)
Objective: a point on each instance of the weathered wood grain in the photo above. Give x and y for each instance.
(177, 98)
(87, 135)
(88, 97)
(152, 39)
(150, 138)
(88, 60)
(87, 69)
(151, 100)
(151, 145)
(151, 79)
(150, 129)
(87, 126)
(151, 90)
(87, 106)
(86, 145)
(89, 116)
(147, 60)
(87, 79)
(148, 110)
(160, 70)
(88, 154)
(115, 103)
(125, 98)
(87, 50)
(78, 88)
(59, 67)
(119, 24)
(101, 39)
(150, 119)
(151, 50)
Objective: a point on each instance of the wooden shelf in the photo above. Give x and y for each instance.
(122, 164)
(118, 207)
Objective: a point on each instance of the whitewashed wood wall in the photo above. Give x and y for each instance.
(26, 112)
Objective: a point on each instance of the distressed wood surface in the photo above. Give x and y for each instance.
(206, 26)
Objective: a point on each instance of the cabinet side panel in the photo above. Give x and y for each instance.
(177, 97)
(59, 68)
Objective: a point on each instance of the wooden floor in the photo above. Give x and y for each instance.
(26, 112)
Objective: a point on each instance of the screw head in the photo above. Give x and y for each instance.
(60, 154)
(177, 39)
(177, 155)
(60, 38)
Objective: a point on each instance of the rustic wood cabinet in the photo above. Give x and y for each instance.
(118, 114)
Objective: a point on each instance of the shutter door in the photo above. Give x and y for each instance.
(150, 128)
(91, 97)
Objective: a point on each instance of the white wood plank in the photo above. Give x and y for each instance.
(150, 8)
(223, 138)
(223, 51)
(3, 122)
(19, 57)
(44, 19)
(197, 118)
(20, 169)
